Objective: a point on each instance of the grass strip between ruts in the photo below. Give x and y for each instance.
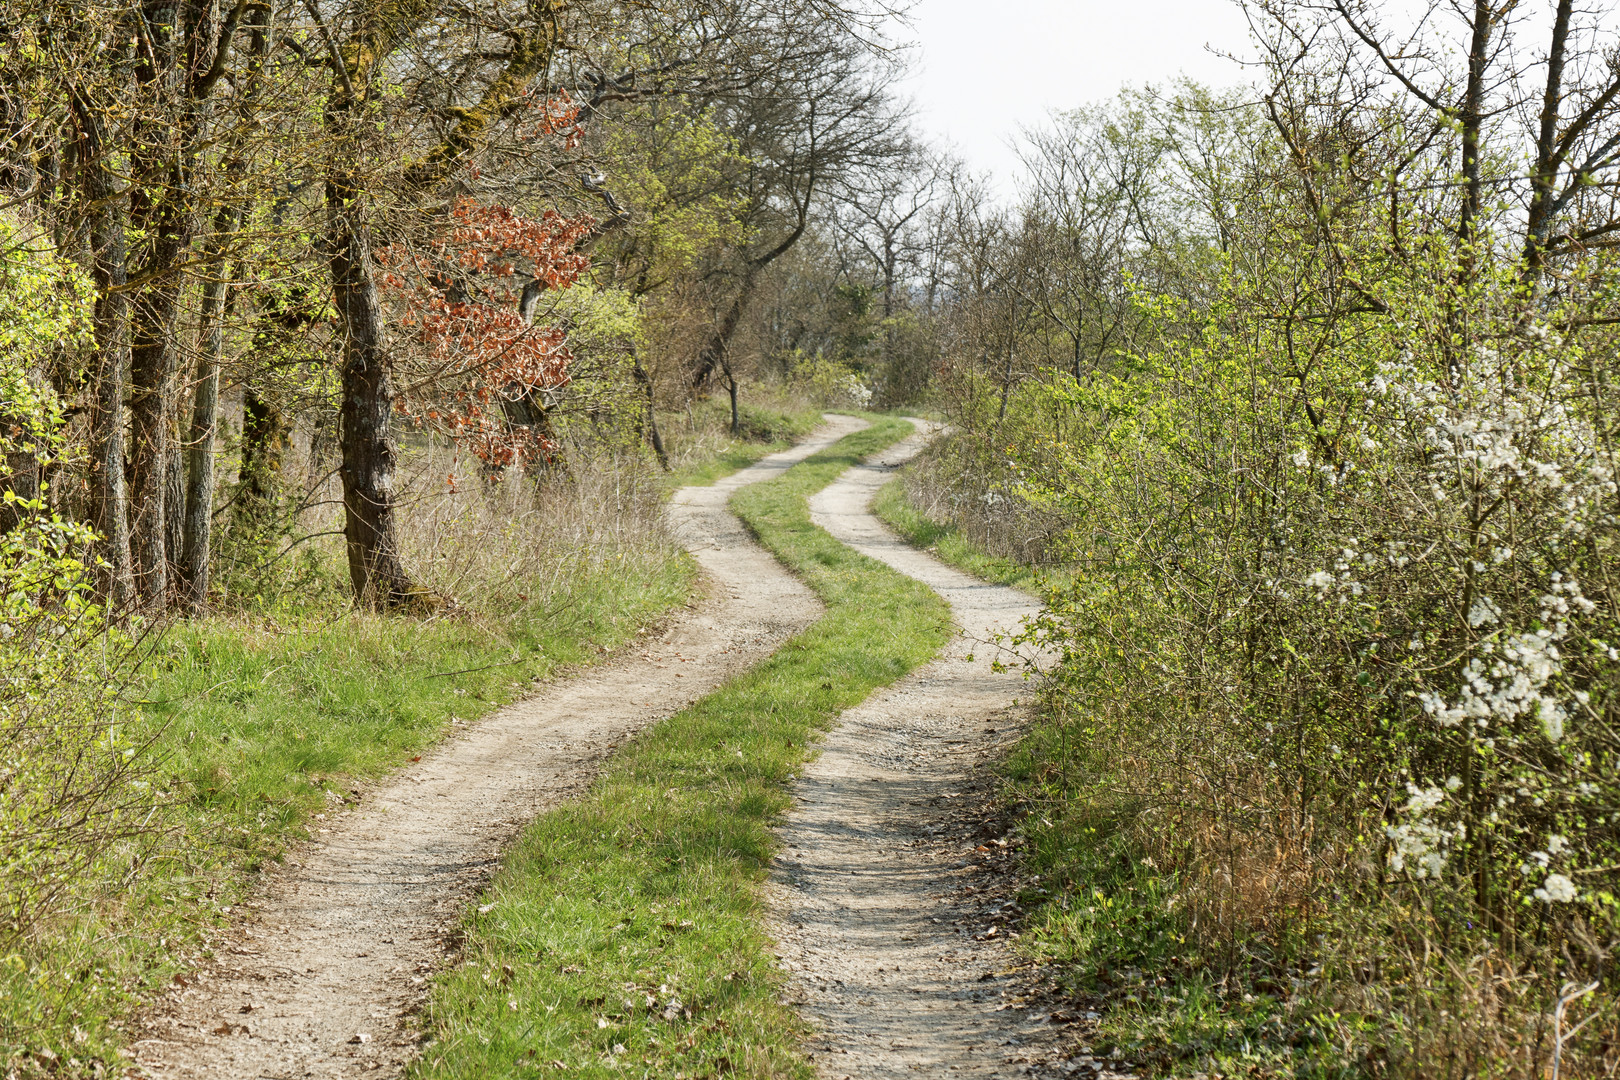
(623, 936)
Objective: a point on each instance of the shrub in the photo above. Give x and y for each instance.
(71, 764)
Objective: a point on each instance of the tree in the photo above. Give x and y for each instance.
(806, 127)
(492, 376)
(885, 217)
(1090, 221)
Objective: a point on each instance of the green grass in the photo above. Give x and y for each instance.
(265, 722)
(946, 541)
(623, 935)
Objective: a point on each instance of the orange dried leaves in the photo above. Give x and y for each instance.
(491, 375)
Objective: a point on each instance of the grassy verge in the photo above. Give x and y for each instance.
(268, 723)
(623, 935)
(946, 541)
(720, 453)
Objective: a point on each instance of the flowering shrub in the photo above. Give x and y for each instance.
(1345, 654)
(1496, 498)
(1422, 591)
(1331, 446)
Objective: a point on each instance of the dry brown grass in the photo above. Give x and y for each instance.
(494, 546)
(985, 514)
(485, 544)
(1255, 897)
(700, 431)
(1456, 1014)
(1279, 900)
(1236, 880)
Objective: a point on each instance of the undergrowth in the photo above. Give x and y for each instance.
(623, 934)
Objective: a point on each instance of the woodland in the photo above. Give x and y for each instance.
(350, 344)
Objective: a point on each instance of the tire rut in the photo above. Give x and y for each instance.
(326, 974)
(889, 923)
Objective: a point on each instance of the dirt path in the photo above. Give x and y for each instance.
(325, 976)
(891, 928)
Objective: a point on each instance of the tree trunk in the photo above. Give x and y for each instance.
(714, 350)
(180, 41)
(174, 490)
(108, 510)
(197, 544)
(152, 388)
(109, 501)
(731, 388)
(264, 445)
(712, 355)
(372, 534)
(195, 552)
(1006, 385)
(156, 481)
(1544, 175)
(657, 439)
(1473, 122)
(646, 383)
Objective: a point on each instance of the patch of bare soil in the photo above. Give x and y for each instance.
(893, 899)
(326, 975)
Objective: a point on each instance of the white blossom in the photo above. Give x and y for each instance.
(1484, 611)
(1557, 889)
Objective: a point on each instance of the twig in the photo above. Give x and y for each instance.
(486, 667)
(1567, 995)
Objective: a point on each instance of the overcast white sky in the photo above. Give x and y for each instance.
(986, 67)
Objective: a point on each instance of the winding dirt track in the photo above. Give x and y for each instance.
(324, 978)
(878, 897)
